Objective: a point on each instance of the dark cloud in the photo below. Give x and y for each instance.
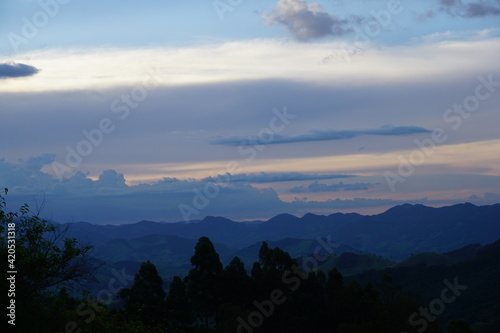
(479, 8)
(111, 178)
(13, 70)
(320, 135)
(26, 173)
(336, 187)
(27, 176)
(272, 177)
(306, 21)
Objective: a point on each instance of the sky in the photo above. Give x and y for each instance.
(112, 112)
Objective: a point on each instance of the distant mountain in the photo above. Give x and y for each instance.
(218, 229)
(394, 234)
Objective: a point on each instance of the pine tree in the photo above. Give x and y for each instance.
(145, 300)
(204, 283)
(236, 282)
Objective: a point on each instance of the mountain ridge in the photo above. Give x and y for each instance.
(395, 234)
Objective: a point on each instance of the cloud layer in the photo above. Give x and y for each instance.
(253, 60)
(320, 135)
(109, 200)
(336, 187)
(273, 177)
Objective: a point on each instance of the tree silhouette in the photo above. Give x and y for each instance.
(145, 300)
(178, 306)
(235, 293)
(204, 283)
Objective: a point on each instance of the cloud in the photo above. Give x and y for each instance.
(422, 17)
(320, 135)
(13, 70)
(487, 199)
(305, 21)
(111, 178)
(113, 202)
(272, 177)
(449, 35)
(336, 187)
(27, 176)
(480, 8)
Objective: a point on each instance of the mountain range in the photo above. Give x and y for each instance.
(395, 234)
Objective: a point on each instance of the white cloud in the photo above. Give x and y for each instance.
(97, 69)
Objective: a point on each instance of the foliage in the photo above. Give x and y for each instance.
(45, 261)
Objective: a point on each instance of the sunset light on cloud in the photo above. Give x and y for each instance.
(405, 103)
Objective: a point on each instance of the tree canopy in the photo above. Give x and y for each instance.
(45, 261)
